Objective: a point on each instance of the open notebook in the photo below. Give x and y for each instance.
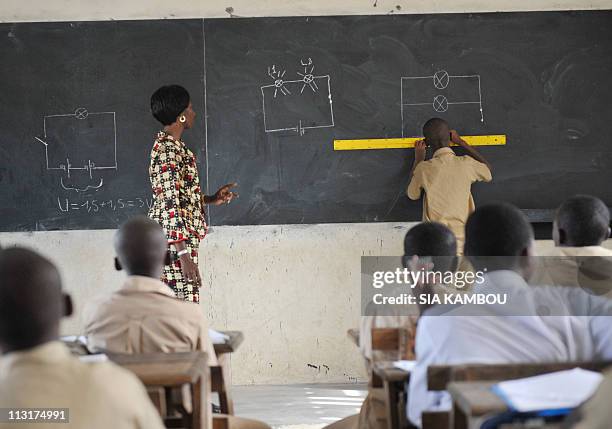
(561, 390)
(405, 365)
(217, 337)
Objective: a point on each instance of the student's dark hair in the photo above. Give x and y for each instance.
(431, 239)
(168, 102)
(31, 299)
(141, 246)
(497, 229)
(436, 130)
(584, 219)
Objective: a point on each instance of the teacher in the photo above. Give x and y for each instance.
(178, 202)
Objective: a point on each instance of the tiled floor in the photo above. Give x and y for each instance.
(299, 404)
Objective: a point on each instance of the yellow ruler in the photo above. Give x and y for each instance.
(408, 142)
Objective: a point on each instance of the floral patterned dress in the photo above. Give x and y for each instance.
(177, 206)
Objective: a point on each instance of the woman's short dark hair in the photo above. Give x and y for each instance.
(168, 102)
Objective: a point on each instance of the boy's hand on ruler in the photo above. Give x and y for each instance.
(456, 138)
(419, 150)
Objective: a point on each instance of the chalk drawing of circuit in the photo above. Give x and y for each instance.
(301, 104)
(80, 146)
(441, 94)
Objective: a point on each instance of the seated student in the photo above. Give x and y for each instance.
(581, 225)
(144, 315)
(446, 178)
(427, 238)
(38, 371)
(514, 332)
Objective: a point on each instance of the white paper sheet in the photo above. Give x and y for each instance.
(557, 390)
(405, 365)
(217, 337)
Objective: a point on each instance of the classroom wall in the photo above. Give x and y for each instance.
(293, 290)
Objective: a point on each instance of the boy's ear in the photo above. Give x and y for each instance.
(68, 306)
(562, 236)
(405, 260)
(118, 266)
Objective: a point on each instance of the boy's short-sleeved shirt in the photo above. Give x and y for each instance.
(447, 180)
(97, 395)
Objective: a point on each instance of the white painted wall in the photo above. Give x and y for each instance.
(293, 290)
(62, 10)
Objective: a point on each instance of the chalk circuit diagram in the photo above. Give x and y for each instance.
(299, 104)
(79, 144)
(440, 93)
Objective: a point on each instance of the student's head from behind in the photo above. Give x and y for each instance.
(498, 236)
(434, 240)
(31, 300)
(437, 133)
(141, 247)
(171, 105)
(581, 220)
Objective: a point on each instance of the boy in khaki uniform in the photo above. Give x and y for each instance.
(144, 315)
(38, 371)
(426, 239)
(446, 178)
(580, 227)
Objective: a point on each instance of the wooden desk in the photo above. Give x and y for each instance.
(394, 382)
(353, 334)
(235, 339)
(221, 375)
(473, 400)
(166, 370)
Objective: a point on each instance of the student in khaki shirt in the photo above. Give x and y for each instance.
(581, 225)
(144, 315)
(446, 178)
(426, 239)
(38, 371)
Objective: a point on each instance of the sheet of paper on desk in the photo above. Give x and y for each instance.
(554, 391)
(99, 357)
(75, 339)
(217, 337)
(405, 365)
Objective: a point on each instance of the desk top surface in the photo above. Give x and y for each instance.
(475, 398)
(164, 369)
(230, 346)
(386, 371)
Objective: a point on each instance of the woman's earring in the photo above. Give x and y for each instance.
(182, 119)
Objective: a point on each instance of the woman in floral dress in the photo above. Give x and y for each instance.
(178, 201)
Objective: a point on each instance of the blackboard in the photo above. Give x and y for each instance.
(83, 89)
(545, 81)
(77, 95)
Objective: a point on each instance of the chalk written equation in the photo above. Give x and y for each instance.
(67, 205)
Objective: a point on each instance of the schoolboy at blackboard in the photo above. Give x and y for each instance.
(446, 178)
